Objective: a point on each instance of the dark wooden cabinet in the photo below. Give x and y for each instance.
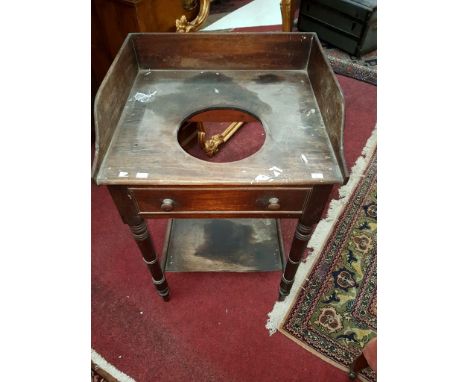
(112, 20)
(350, 25)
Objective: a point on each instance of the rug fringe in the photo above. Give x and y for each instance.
(109, 368)
(321, 233)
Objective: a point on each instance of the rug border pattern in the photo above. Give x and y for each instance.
(324, 229)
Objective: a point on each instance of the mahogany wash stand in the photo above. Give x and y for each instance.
(158, 81)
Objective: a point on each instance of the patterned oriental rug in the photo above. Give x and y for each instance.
(333, 310)
(361, 68)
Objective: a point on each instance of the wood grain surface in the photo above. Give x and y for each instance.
(271, 76)
(197, 200)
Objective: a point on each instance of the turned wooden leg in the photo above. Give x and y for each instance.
(137, 224)
(143, 239)
(288, 7)
(314, 206)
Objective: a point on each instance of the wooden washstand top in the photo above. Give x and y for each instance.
(159, 79)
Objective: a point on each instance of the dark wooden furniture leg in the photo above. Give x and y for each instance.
(312, 211)
(137, 224)
(358, 364)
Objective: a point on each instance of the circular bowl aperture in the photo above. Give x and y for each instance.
(213, 136)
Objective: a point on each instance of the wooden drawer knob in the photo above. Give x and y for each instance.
(274, 204)
(167, 205)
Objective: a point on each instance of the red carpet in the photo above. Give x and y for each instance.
(213, 329)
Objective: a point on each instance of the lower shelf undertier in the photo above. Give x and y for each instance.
(223, 245)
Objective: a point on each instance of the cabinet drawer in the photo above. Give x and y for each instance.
(334, 19)
(179, 200)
